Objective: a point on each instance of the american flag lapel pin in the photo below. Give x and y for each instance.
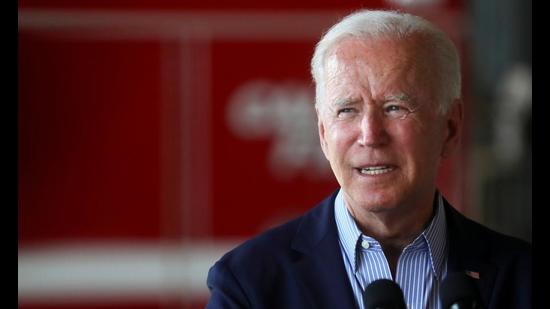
(473, 274)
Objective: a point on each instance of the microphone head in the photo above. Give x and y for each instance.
(460, 290)
(383, 294)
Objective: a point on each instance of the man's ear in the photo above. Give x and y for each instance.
(321, 127)
(453, 128)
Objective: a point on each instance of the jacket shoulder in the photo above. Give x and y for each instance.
(276, 244)
(233, 280)
(485, 245)
(268, 244)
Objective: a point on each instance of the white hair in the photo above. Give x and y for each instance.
(373, 24)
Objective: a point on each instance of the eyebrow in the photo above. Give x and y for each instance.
(398, 97)
(346, 101)
(390, 97)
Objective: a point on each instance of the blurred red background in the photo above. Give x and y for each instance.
(156, 135)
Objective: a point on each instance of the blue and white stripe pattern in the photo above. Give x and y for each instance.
(420, 269)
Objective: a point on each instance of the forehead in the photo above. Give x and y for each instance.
(378, 53)
(378, 64)
(374, 46)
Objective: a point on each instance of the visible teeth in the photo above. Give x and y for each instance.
(376, 170)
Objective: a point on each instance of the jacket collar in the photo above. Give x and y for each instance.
(469, 252)
(321, 265)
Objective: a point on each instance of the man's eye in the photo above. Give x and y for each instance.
(394, 108)
(396, 111)
(346, 110)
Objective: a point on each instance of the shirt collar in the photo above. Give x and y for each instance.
(435, 234)
(436, 237)
(348, 232)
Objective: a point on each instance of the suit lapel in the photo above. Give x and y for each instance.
(468, 253)
(320, 265)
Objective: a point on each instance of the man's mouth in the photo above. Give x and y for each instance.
(376, 170)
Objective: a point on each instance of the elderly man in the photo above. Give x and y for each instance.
(389, 109)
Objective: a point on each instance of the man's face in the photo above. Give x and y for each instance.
(379, 123)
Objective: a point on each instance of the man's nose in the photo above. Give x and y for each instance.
(372, 129)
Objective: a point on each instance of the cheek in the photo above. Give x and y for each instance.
(421, 144)
(411, 141)
(338, 141)
(339, 136)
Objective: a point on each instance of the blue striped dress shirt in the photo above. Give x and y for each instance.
(420, 268)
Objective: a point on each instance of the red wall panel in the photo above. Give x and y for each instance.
(126, 131)
(88, 140)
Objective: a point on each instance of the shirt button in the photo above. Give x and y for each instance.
(365, 244)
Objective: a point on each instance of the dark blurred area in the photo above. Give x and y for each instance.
(156, 135)
(501, 165)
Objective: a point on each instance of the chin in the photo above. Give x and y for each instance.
(375, 201)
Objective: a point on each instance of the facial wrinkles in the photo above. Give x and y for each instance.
(392, 75)
(397, 73)
(342, 80)
(352, 76)
(343, 87)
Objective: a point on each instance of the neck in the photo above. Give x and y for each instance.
(397, 227)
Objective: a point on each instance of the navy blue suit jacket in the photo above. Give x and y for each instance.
(300, 265)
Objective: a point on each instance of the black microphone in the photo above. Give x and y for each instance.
(458, 291)
(383, 294)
